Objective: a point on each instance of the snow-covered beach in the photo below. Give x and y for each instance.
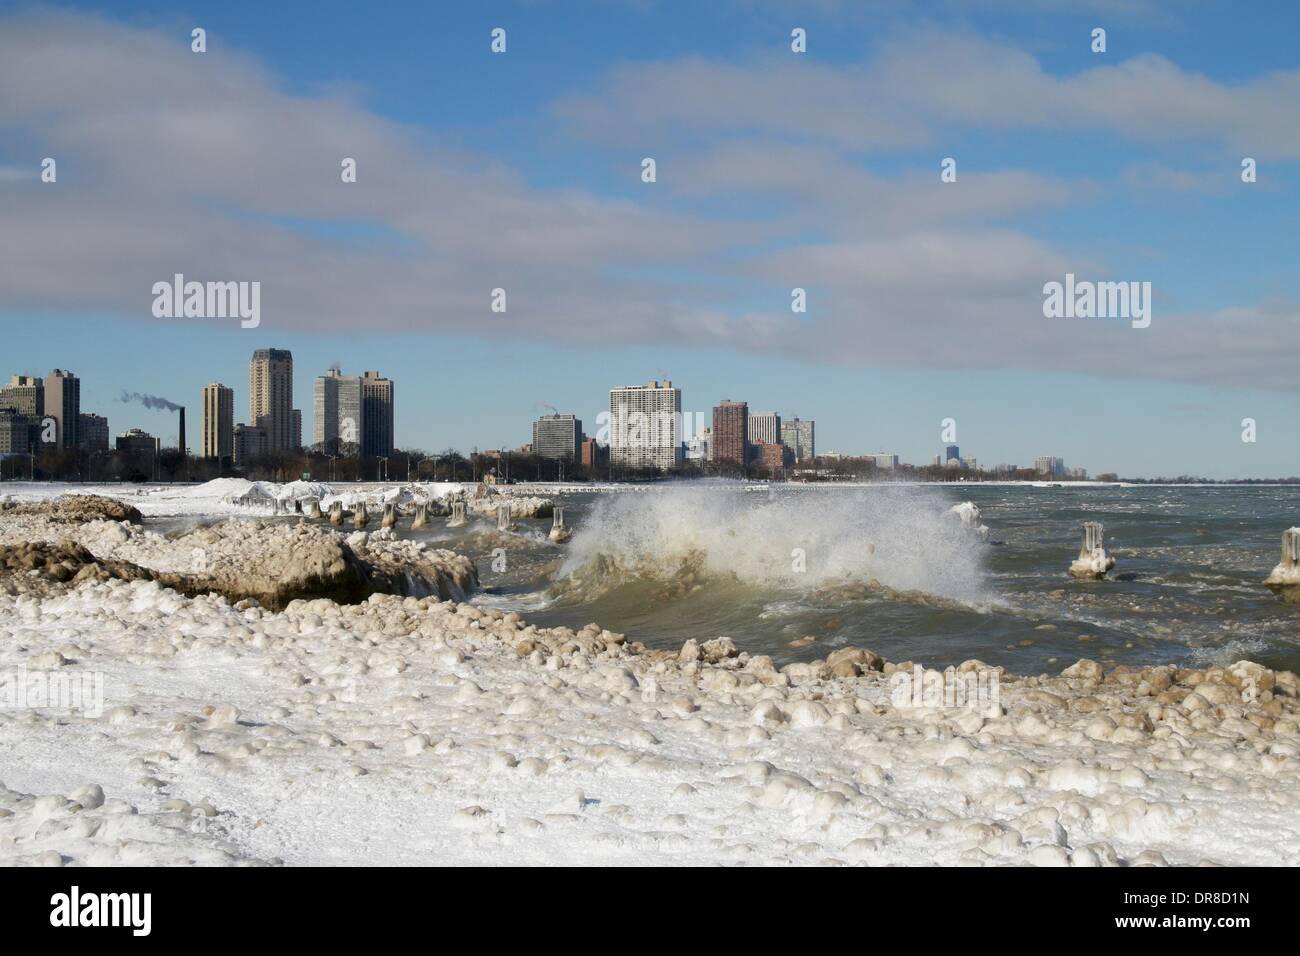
(405, 729)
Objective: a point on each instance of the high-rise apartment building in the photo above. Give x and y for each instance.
(63, 404)
(1049, 465)
(557, 436)
(25, 395)
(800, 437)
(699, 448)
(270, 396)
(336, 404)
(353, 414)
(764, 427)
(94, 431)
(594, 454)
(15, 432)
(376, 415)
(250, 441)
(950, 452)
(218, 421)
(731, 432)
(645, 426)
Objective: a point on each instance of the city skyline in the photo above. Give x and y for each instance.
(373, 409)
(818, 172)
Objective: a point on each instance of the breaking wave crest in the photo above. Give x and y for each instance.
(686, 538)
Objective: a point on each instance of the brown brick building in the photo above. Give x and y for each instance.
(731, 432)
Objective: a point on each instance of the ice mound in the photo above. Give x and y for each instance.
(75, 509)
(521, 506)
(381, 732)
(271, 563)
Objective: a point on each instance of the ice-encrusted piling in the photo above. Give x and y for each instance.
(421, 515)
(1285, 578)
(968, 513)
(457, 519)
(390, 515)
(359, 517)
(336, 514)
(1093, 561)
(503, 517)
(559, 531)
(313, 508)
(297, 506)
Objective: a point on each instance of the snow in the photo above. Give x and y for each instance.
(403, 731)
(410, 731)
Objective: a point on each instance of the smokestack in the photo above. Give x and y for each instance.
(182, 437)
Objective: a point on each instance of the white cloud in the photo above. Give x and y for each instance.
(203, 164)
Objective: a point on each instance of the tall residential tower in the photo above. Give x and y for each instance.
(270, 396)
(218, 421)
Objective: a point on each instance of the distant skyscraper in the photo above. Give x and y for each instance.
(270, 396)
(376, 415)
(886, 462)
(557, 436)
(337, 407)
(250, 441)
(218, 421)
(23, 401)
(699, 448)
(645, 426)
(950, 452)
(594, 454)
(800, 437)
(25, 395)
(94, 432)
(764, 427)
(295, 429)
(15, 432)
(731, 432)
(1049, 465)
(63, 404)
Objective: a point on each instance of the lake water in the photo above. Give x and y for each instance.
(886, 568)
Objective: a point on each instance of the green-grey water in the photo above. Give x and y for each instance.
(886, 569)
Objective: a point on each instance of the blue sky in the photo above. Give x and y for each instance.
(776, 170)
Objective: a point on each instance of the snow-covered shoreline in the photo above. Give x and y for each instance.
(411, 730)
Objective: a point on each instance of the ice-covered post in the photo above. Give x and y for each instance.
(1093, 561)
(297, 506)
(359, 517)
(313, 508)
(421, 515)
(390, 515)
(503, 517)
(559, 532)
(336, 514)
(457, 515)
(1285, 579)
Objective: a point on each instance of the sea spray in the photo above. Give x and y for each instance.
(800, 539)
